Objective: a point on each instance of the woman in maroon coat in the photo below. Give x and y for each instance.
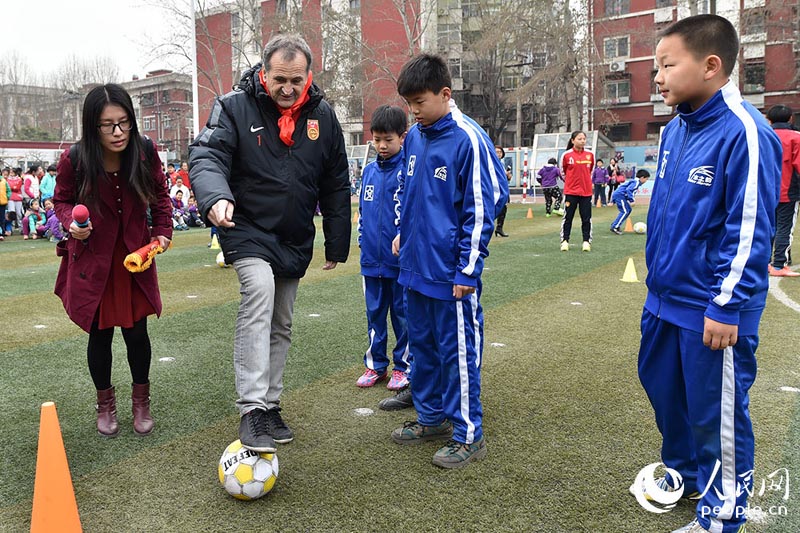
(117, 174)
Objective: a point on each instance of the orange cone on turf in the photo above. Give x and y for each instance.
(530, 213)
(355, 218)
(54, 505)
(628, 226)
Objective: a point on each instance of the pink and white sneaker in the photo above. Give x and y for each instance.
(399, 380)
(370, 378)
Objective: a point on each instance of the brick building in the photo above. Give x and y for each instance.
(163, 104)
(624, 101)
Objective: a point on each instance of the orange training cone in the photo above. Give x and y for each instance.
(355, 218)
(630, 272)
(628, 226)
(54, 505)
(530, 213)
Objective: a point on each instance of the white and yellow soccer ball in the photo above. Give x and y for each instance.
(245, 474)
(221, 260)
(640, 228)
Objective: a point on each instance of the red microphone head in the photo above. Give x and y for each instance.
(80, 215)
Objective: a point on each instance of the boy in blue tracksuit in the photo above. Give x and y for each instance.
(452, 188)
(710, 225)
(378, 210)
(623, 197)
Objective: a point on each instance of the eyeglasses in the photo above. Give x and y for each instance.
(123, 126)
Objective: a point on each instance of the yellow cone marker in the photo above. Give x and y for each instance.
(214, 243)
(630, 272)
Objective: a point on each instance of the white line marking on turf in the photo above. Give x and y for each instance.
(167, 359)
(497, 345)
(314, 315)
(781, 296)
(40, 326)
(207, 266)
(363, 411)
(575, 303)
(191, 296)
(790, 389)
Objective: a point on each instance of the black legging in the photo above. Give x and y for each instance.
(99, 353)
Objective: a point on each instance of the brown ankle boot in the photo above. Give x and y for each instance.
(142, 421)
(107, 413)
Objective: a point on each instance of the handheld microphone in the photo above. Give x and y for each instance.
(80, 215)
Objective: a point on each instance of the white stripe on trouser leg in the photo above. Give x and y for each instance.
(370, 363)
(463, 372)
(727, 435)
(473, 300)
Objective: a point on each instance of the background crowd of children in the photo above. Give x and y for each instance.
(26, 204)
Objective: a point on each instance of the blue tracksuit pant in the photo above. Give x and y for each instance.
(700, 397)
(382, 296)
(446, 338)
(624, 207)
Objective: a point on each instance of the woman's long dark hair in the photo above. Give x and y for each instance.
(572, 137)
(90, 151)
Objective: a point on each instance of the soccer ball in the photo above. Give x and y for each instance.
(640, 228)
(245, 474)
(221, 260)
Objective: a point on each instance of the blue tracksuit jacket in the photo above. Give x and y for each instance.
(379, 212)
(379, 216)
(710, 225)
(453, 188)
(622, 198)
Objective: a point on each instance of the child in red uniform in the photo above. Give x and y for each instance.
(577, 165)
(117, 174)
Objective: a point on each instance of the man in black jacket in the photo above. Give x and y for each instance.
(270, 151)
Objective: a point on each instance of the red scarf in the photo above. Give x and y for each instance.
(288, 116)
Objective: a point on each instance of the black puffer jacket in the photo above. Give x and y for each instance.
(239, 157)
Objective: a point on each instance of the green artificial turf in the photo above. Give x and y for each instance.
(567, 423)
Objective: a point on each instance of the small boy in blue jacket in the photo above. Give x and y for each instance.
(452, 188)
(378, 210)
(623, 197)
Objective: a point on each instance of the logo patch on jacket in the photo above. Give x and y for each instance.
(369, 193)
(663, 165)
(411, 162)
(312, 129)
(440, 173)
(702, 175)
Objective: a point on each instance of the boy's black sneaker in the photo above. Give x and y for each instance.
(616, 230)
(277, 427)
(254, 432)
(401, 400)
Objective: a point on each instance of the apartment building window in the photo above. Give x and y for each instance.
(236, 23)
(165, 97)
(618, 91)
(754, 22)
(665, 3)
(470, 8)
(355, 4)
(616, 46)
(754, 77)
(654, 129)
(619, 132)
(469, 38)
(539, 60)
(280, 7)
(617, 7)
(147, 99)
(470, 73)
(454, 65)
(166, 122)
(148, 123)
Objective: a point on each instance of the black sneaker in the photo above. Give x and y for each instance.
(254, 432)
(616, 230)
(401, 400)
(277, 427)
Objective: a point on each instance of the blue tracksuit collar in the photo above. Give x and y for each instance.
(383, 164)
(441, 125)
(781, 126)
(713, 108)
